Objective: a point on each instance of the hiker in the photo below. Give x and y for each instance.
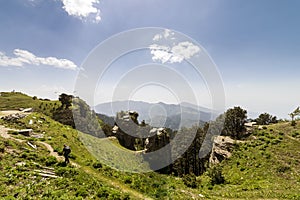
(66, 152)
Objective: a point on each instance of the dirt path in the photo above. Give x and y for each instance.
(55, 154)
(4, 133)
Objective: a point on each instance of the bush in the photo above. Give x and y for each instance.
(190, 180)
(103, 192)
(283, 168)
(82, 192)
(215, 173)
(295, 134)
(293, 123)
(51, 160)
(67, 172)
(114, 195)
(2, 148)
(97, 165)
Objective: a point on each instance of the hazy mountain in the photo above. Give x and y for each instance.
(160, 114)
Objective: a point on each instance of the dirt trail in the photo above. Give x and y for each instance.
(55, 154)
(4, 134)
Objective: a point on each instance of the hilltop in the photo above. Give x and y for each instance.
(266, 165)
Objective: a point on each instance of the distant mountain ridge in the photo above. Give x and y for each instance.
(160, 114)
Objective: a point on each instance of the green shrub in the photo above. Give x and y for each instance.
(215, 173)
(160, 193)
(51, 160)
(67, 172)
(295, 134)
(114, 195)
(8, 143)
(2, 148)
(103, 192)
(82, 192)
(127, 180)
(126, 196)
(97, 165)
(293, 123)
(283, 168)
(12, 132)
(190, 180)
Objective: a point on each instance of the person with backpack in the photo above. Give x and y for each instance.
(66, 152)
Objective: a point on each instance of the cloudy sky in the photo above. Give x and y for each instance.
(255, 46)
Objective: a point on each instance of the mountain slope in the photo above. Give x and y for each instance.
(160, 114)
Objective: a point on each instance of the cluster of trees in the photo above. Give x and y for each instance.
(235, 119)
(64, 114)
(76, 113)
(266, 119)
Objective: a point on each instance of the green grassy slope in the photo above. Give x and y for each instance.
(136, 185)
(267, 166)
(149, 184)
(17, 100)
(19, 180)
(111, 153)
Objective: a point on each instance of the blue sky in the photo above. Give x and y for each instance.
(254, 44)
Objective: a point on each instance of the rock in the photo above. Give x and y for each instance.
(222, 146)
(14, 117)
(25, 132)
(38, 136)
(20, 164)
(201, 195)
(27, 110)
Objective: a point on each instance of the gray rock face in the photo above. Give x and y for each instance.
(221, 149)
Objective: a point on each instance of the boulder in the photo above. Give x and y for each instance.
(221, 149)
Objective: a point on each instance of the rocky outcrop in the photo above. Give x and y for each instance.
(14, 117)
(221, 149)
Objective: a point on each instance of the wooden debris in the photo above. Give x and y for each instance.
(32, 145)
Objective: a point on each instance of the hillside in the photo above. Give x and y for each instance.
(266, 165)
(18, 100)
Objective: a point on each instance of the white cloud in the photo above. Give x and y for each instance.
(157, 37)
(174, 54)
(23, 57)
(82, 9)
(166, 35)
(185, 49)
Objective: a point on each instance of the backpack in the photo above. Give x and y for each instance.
(67, 150)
